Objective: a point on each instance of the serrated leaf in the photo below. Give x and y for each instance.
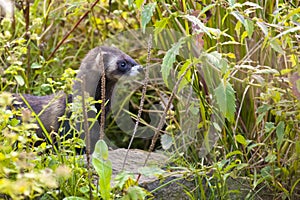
(147, 13)
(169, 60)
(225, 96)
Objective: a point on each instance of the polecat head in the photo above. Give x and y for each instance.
(117, 63)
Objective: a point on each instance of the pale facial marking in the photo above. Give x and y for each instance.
(135, 70)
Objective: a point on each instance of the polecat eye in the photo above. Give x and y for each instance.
(122, 66)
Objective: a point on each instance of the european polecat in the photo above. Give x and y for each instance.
(116, 64)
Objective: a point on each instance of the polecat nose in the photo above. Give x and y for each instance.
(140, 69)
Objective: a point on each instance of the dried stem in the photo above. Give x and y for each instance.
(87, 135)
(145, 83)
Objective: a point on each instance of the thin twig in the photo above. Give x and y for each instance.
(145, 83)
(87, 135)
(74, 27)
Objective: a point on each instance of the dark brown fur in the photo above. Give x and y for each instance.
(50, 108)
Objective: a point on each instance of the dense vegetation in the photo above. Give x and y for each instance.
(237, 65)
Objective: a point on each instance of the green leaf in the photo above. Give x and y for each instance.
(280, 133)
(269, 126)
(147, 13)
(103, 167)
(225, 96)
(169, 60)
(14, 122)
(240, 139)
(19, 80)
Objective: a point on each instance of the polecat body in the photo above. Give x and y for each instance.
(52, 107)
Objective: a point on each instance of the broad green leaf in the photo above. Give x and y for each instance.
(147, 13)
(198, 23)
(240, 139)
(169, 60)
(103, 168)
(225, 96)
(280, 133)
(20, 80)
